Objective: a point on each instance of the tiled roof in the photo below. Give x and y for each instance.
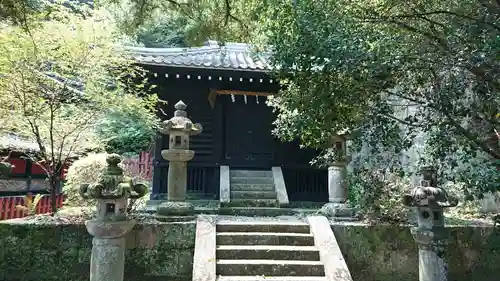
(12, 142)
(16, 143)
(230, 56)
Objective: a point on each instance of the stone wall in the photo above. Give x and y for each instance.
(164, 251)
(161, 251)
(389, 253)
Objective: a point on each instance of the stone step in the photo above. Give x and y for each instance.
(253, 194)
(271, 278)
(309, 205)
(252, 187)
(270, 268)
(258, 212)
(251, 180)
(263, 226)
(247, 252)
(265, 238)
(251, 203)
(251, 173)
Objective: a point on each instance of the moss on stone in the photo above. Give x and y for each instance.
(175, 209)
(39, 252)
(164, 251)
(62, 252)
(378, 253)
(389, 253)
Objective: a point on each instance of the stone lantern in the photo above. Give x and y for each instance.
(337, 173)
(111, 192)
(179, 129)
(429, 200)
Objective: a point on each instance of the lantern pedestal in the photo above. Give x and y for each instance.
(107, 262)
(177, 172)
(431, 263)
(175, 211)
(337, 192)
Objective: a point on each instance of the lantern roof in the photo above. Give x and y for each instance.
(180, 122)
(428, 194)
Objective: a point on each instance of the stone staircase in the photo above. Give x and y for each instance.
(266, 250)
(252, 189)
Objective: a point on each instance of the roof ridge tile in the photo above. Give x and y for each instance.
(230, 56)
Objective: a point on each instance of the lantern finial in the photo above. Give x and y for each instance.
(180, 105)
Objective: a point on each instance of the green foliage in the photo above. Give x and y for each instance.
(206, 19)
(44, 74)
(389, 71)
(20, 12)
(59, 78)
(466, 208)
(377, 194)
(129, 127)
(31, 14)
(168, 33)
(473, 170)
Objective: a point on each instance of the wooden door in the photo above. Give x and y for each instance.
(248, 138)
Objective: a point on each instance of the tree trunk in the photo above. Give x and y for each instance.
(53, 195)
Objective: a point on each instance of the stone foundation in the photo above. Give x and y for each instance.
(389, 253)
(155, 252)
(164, 251)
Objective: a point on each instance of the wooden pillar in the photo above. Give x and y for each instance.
(218, 145)
(28, 174)
(158, 190)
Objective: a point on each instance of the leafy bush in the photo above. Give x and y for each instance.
(84, 170)
(378, 194)
(88, 170)
(466, 208)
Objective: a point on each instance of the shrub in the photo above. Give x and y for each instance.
(88, 170)
(469, 207)
(83, 170)
(378, 194)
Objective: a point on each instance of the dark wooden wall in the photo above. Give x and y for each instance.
(210, 145)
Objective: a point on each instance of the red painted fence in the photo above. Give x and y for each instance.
(141, 166)
(8, 205)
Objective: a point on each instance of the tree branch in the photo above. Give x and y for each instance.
(402, 121)
(443, 12)
(472, 137)
(431, 37)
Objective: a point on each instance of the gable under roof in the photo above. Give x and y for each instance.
(230, 56)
